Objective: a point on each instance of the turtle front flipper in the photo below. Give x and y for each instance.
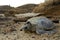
(40, 31)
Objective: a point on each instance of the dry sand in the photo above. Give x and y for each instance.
(21, 35)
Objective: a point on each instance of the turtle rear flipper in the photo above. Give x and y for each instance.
(51, 32)
(48, 32)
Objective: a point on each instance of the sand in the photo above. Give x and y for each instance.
(21, 35)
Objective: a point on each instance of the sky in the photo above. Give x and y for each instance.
(16, 3)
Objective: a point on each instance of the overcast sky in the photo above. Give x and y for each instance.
(15, 3)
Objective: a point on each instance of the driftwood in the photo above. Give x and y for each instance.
(26, 16)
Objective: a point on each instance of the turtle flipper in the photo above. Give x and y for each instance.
(40, 31)
(48, 32)
(51, 32)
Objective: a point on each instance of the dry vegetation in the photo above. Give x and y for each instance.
(50, 8)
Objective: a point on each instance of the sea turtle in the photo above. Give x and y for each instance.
(40, 25)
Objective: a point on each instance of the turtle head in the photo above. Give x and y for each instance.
(26, 26)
